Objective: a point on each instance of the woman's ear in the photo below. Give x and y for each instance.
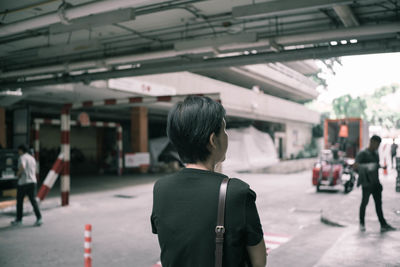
(212, 142)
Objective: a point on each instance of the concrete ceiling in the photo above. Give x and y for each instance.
(49, 42)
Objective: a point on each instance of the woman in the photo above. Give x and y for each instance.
(185, 203)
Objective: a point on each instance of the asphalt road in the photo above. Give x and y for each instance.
(119, 209)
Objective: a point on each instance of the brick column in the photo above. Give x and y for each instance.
(139, 132)
(3, 131)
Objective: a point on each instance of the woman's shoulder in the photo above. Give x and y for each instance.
(239, 185)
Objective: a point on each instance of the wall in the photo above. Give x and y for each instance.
(82, 138)
(297, 136)
(256, 106)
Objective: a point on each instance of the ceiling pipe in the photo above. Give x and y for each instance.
(71, 13)
(305, 38)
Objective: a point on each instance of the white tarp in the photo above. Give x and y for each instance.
(249, 148)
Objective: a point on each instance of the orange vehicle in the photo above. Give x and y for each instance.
(357, 135)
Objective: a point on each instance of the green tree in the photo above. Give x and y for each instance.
(369, 107)
(346, 106)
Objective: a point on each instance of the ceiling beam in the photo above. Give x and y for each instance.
(346, 15)
(295, 39)
(360, 48)
(274, 8)
(71, 13)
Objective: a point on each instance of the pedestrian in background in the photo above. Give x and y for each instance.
(367, 165)
(393, 151)
(185, 203)
(343, 135)
(26, 185)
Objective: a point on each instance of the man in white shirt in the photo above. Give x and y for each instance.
(26, 185)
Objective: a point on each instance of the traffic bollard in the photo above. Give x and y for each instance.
(88, 245)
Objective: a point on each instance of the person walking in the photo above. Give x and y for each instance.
(367, 165)
(393, 152)
(185, 204)
(26, 185)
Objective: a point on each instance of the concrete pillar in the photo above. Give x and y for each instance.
(3, 131)
(139, 132)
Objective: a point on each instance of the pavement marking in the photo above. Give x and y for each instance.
(272, 241)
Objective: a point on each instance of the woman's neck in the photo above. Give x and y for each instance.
(208, 166)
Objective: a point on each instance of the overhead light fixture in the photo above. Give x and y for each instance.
(353, 41)
(16, 92)
(92, 21)
(333, 43)
(246, 52)
(343, 42)
(272, 8)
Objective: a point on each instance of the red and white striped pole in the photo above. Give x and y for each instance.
(88, 245)
(120, 151)
(51, 177)
(65, 149)
(36, 144)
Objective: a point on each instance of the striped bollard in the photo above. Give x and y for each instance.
(51, 177)
(88, 245)
(119, 145)
(65, 149)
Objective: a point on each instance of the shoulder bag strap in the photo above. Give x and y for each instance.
(220, 229)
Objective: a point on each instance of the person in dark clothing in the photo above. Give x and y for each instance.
(185, 203)
(393, 152)
(367, 165)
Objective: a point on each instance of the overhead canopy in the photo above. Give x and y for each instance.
(43, 43)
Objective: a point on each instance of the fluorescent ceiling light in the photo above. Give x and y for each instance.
(91, 21)
(272, 8)
(333, 43)
(97, 70)
(17, 92)
(353, 41)
(343, 42)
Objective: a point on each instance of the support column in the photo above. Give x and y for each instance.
(36, 147)
(139, 132)
(65, 150)
(3, 131)
(120, 149)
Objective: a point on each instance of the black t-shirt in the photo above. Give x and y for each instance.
(185, 213)
(370, 177)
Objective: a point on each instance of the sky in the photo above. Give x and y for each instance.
(360, 75)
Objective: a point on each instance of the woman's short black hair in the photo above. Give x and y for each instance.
(23, 148)
(190, 124)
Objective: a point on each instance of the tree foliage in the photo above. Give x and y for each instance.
(346, 107)
(371, 108)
